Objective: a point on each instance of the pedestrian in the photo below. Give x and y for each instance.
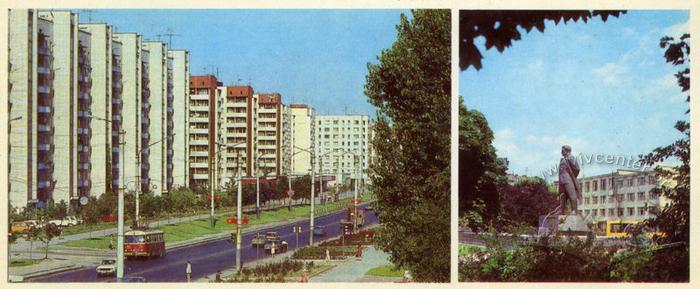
(328, 255)
(358, 254)
(218, 277)
(304, 276)
(188, 270)
(111, 244)
(272, 249)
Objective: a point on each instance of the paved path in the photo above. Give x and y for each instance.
(352, 269)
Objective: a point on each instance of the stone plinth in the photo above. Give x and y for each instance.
(570, 225)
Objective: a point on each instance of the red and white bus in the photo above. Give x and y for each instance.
(139, 243)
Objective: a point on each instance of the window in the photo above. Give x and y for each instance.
(586, 212)
(611, 212)
(602, 199)
(641, 211)
(595, 201)
(586, 200)
(641, 181)
(640, 196)
(652, 180)
(630, 197)
(595, 213)
(630, 211)
(630, 182)
(620, 212)
(602, 212)
(588, 186)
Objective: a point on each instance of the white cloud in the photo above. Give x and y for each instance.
(680, 97)
(678, 30)
(611, 73)
(667, 81)
(504, 144)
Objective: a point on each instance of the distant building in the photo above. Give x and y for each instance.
(302, 137)
(342, 145)
(624, 195)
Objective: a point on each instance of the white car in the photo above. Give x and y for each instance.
(107, 268)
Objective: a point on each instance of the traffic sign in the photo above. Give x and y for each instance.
(234, 221)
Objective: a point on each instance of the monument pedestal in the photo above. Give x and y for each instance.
(568, 225)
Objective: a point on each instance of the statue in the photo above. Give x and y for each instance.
(568, 184)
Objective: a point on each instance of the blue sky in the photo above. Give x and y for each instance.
(318, 57)
(603, 88)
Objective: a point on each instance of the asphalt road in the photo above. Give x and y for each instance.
(207, 257)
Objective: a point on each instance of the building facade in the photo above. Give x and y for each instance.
(342, 146)
(202, 128)
(31, 109)
(623, 195)
(180, 105)
(302, 138)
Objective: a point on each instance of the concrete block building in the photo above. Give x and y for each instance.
(342, 146)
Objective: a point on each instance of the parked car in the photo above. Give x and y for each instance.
(319, 231)
(34, 224)
(271, 236)
(20, 227)
(108, 267)
(67, 221)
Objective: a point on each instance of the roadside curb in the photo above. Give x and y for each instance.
(51, 271)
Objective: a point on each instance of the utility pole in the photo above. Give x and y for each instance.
(311, 222)
(354, 220)
(120, 217)
(239, 213)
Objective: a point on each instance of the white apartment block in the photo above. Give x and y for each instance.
(180, 105)
(342, 146)
(71, 53)
(302, 136)
(31, 109)
(156, 158)
(202, 128)
(105, 107)
(623, 195)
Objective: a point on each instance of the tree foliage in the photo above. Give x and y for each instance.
(411, 177)
(500, 28)
(674, 219)
(526, 200)
(481, 174)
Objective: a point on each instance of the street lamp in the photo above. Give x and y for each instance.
(257, 186)
(313, 189)
(358, 176)
(239, 204)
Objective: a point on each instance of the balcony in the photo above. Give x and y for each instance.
(83, 96)
(199, 96)
(117, 101)
(43, 50)
(116, 68)
(43, 185)
(199, 142)
(84, 149)
(200, 176)
(200, 119)
(145, 120)
(44, 147)
(84, 131)
(43, 70)
(117, 118)
(43, 89)
(84, 166)
(84, 183)
(44, 128)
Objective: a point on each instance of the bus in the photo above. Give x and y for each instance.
(619, 228)
(138, 243)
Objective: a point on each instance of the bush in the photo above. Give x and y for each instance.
(319, 253)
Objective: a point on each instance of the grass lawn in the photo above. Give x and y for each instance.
(23, 262)
(385, 271)
(198, 228)
(466, 250)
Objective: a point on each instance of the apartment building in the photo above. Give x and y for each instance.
(129, 137)
(302, 135)
(31, 109)
(202, 127)
(268, 116)
(342, 146)
(180, 105)
(234, 119)
(105, 108)
(623, 195)
(157, 134)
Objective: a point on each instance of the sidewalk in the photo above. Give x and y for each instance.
(352, 270)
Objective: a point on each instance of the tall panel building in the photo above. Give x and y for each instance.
(180, 104)
(202, 128)
(31, 109)
(157, 144)
(133, 108)
(102, 117)
(343, 145)
(302, 136)
(71, 52)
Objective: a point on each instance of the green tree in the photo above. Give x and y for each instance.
(481, 173)
(45, 235)
(500, 28)
(526, 200)
(673, 264)
(410, 86)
